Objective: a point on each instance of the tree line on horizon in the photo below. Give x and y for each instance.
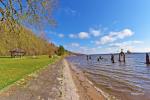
(16, 15)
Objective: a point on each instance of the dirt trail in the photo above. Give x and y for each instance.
(59, 81)
(46, 85)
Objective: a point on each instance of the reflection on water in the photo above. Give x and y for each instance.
(127, 81)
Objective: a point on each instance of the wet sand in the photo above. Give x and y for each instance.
(85, 88)
(70, 91)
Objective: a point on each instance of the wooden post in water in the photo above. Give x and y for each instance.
(122, 55)
(112, 58)
(147, 59)
(90, 57)
(87, 57)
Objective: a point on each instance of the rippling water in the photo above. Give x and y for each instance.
(126, 81)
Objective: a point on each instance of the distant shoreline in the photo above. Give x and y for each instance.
(110, 53)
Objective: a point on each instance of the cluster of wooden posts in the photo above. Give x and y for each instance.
(122, 58)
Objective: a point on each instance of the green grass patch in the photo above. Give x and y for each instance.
(13, 69)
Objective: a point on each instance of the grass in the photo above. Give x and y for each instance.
(13, 69)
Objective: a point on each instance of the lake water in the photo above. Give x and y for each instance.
(125, 81)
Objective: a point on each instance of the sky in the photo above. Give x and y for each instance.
(102, 26)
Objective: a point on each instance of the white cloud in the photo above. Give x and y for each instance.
(61, 35)
(72, 36)
(87, 50)
(106, 39)
(137, 42)
(146, 49)
(127, 45)
(83, 35)
(75, 47)
(142, 49)
(99, 47)
(111, 48)
(122, 34)
(95, 32)
(70, 11)
(75, 44)
(113, 36)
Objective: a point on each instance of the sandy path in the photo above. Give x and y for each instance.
(69, 87)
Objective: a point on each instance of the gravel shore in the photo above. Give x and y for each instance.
(86, 89)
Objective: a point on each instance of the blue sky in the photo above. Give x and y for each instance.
(102, 26)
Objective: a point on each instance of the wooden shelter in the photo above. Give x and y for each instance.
(17, 52)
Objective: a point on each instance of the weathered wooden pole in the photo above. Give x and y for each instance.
(112, 58)
(122, 54)
(147, 59)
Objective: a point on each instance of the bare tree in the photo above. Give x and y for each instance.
(33, 12)
(18, 13)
